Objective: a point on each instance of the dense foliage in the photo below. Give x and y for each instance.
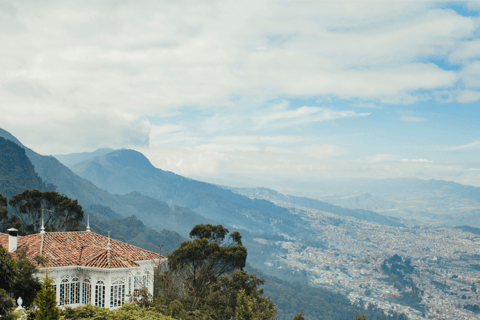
(46, 302)
(129, 311)
(398, 270)
(16, 280)
(204, 277)
(60, 213)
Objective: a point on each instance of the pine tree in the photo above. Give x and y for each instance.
(243, 311)
(46, 302)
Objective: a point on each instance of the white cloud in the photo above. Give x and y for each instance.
(413, 119)
(469, 146)
(471, 75)
(309, 114)
(466, 96)
(421, 160)
(271, 167)
(466, 51)
(260, 139)
(322, 151)
(78, 76)
(160, 55)
(382, 158)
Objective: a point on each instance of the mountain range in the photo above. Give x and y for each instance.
(21, 167)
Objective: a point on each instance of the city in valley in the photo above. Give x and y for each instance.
(425, 272)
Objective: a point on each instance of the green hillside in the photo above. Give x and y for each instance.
(16, 171)
(159, 214)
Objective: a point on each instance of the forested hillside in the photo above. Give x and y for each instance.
(159, 214)
(125, 171)
(132, 230)
(16, 171)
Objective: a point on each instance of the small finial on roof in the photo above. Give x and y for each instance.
(42, 229)
(108, 246)
(88, 223)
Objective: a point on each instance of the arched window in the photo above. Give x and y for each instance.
(64, 291)
(75, 290)
(100, 294)
(86, 291)
(69, 290)
(117, 292)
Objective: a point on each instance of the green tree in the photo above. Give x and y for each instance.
(60, 212)
(6, 221)
(224, 293)
(243, 311)
(299, 316)
(26, 284)
(46, 302)
(205, 276)
(8, 270)
(7, 305)
(210, 251)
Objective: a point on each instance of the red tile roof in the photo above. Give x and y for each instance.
(79, 248)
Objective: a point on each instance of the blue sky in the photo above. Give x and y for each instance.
(255, 94)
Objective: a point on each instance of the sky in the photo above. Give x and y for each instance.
(257, 93)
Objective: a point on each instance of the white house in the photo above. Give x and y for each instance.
(87, 267)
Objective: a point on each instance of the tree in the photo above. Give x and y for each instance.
(299, 316)
(46, 302)
(208, 255)
(26, 284)
(60, 212)
(3, 209)
(8, 270)
(7, 222)
(243, 311)
(204, 276)
(209, 250)
(224, 296)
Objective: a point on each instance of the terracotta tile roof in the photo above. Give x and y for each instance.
(79, 248)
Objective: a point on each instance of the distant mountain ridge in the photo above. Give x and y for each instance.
(159, 214)
(286, 201)
(125, 171)
(74, 158)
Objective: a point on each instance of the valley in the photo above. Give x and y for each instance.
(375, 259)
(444, 263)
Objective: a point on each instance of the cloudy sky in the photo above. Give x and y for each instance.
(254, 92)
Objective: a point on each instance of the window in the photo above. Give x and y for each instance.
(86, 291)
(140, 282)
(100, 294)
(75, 291)
(69, 291)
(117, 295)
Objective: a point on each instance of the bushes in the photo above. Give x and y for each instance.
(129, 311)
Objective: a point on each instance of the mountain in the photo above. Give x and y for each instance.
(74, 158)
(436, 202)
(17, 174)
(303, 202)
(125, 171)
(16, 171)
(159, 214)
